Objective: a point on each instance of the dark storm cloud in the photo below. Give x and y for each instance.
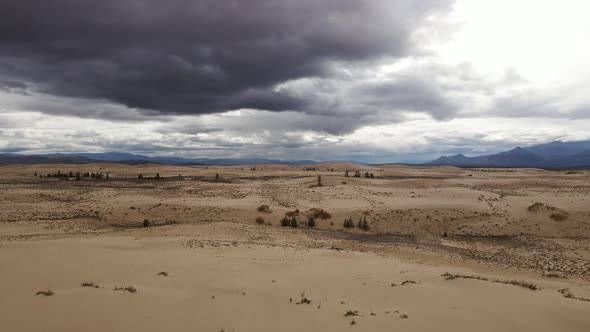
(197, 57)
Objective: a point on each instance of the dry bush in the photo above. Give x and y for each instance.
(260, 220)
(89, 284)
(348, 223)
(540, 206)
(47, 292)
(292, 214)
(558, 216)
(129, 289)
(351, 313)
(318, 214)
(568, 294)
(264, 208)
(520, 283)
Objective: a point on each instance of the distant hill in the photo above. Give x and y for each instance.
(551, 155)
(15, 160)
(134, 159)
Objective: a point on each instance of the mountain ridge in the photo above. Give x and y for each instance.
(555, 154)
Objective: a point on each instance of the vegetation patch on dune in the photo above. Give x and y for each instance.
(264, 208)
(568, 294)
(47, 292)
(89, 284)
(520, 283)
(318, 213)
(129, 289)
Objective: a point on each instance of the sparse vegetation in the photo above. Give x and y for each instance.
(89, 284)
(311, 222)
(363, 224)
(540, 206)
(260, 220)
(351, 313)
(47, 292)
(285, 222)
(558, 216)
(294, 213)
(129, 289)
(568, 294)
(304, 299)
(348, 223)
(264, 208)
(520, 283)
(318, 214)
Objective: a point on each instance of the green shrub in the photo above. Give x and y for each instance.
(285, 222)
(348, 223)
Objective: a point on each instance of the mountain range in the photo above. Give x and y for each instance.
(556, 154)
(135, 159)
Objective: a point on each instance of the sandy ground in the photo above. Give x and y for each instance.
(225, 271)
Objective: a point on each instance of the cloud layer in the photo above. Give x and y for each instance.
(198, 57)
(333, 79)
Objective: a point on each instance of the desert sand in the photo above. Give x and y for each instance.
(445, 249)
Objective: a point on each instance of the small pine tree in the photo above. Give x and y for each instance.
(146, 223)
(294, 223)
(348, 223)
(365, 225)
(216, 176)
(285, 222)
(311, 222)
(35, 173)
(78, 177)
(319, 180)
(140, 176)
(157, 175)
(346, 174)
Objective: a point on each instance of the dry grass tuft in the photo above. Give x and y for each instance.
(569, 295)
(129, 289)
(318, 214)
(264, 208)
(47, 292)
(559, 216)
(89, 284)
(520, 283)
(351, 313)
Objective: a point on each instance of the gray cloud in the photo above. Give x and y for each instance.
(197, 57)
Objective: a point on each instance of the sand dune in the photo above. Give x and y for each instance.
(225, 271)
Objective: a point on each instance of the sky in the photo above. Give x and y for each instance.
(371, 81)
